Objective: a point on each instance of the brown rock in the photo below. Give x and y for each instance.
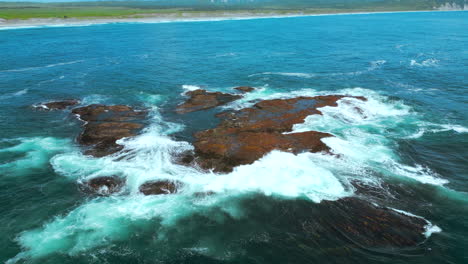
(95, 133)
(57, 105)
(244, 89)
(201, 100)
(222, 153)
(160, 187)
(107, 124)
(245, 136)
(108, 113)
(103, 185)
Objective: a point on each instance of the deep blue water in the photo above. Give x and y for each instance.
(413, 67)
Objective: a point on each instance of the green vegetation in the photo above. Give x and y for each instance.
(65, 12)
(138, 9)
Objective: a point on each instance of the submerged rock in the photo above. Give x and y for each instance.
(247, 135)
(103, 185)
(107, 124)
(201, 100)
(369, 225)
(244, 89)
(57, 105)
(160, 187)
(351, 223)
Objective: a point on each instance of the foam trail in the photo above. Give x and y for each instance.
(374, 65)
(15, 94)
(425, 63)
(289, 74)
(429, 228)
(437, 128)
(42, 67)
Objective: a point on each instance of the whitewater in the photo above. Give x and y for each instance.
(406, 142)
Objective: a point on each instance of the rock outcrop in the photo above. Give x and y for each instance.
(160, 187)
(245, 136)
(244, 89)
(103, 185)
(202, 100)
(57, 105)
(107, 124)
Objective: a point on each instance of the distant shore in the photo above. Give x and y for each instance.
(167, 18)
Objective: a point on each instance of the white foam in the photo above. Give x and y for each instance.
(36, 153)
(425, 63)
(189, 88)
(365, 131)
(365, 153)
(289, 74)
(426, 127)
(456, 128)
(51, 80)
(284, 174)
(229, 54)
(429, 229)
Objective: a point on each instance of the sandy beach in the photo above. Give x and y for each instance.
(165, 18)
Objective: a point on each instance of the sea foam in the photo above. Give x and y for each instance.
(364, 153)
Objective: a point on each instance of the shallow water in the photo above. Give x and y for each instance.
(409, 141)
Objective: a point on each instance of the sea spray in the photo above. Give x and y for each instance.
(363, 151)
(32, 153)
(366, 133)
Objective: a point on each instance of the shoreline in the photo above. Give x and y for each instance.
(172, 18)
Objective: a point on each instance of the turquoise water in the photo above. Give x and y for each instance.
(409, 141)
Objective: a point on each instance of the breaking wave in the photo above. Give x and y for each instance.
(188, 88)
(363, 153)
(32, 153)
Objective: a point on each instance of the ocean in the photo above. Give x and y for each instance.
(408, 140)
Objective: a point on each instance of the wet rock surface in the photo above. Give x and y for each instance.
(246, 135)
(103, 185)
(244, 89)
(57, 105)
(348, 223)
(160, 187)
(201, 100)
(107, 124)
(108, 113)
(369, 225)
